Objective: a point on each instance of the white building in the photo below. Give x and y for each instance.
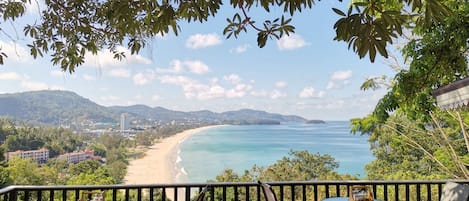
(125, 122)
(40, 155)
(76, 157)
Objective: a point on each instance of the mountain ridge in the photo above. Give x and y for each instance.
(56, 107)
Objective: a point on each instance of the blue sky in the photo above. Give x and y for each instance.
(306, 74)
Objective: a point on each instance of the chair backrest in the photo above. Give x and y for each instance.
(202, 193)
(269, 194)
(454, 192)
(360, 193)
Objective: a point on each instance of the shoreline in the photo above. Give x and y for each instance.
(158, 166)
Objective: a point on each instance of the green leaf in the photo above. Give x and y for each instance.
(339, 12)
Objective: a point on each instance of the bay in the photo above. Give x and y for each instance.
(206, 154)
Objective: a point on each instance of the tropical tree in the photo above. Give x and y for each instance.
(410, 137)
(28, 172)
(297, 166)
(412, 149)
(70, 29)
(437, 55)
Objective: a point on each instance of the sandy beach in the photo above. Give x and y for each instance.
(157, 166)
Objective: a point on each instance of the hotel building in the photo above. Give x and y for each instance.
(76, 157)
(40, 155)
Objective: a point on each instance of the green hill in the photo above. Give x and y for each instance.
(63, 107)
(53, 107)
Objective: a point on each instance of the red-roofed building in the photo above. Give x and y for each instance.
(76, 157)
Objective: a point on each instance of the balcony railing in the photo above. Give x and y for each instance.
(243, 191)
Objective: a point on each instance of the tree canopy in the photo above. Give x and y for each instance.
(437, 55)
(67, 30)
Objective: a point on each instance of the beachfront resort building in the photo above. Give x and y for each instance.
(40, 155)
(76, 157)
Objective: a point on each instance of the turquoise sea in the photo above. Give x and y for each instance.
(206, 154)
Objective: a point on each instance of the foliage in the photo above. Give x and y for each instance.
(145, 138)
(56, 140)
(88, 172)
(52, 107)
(410, 137)
(117, 170)
(70, 29)
(59, 141)
(98, 177)
(300, 166)
(406, 149)
(437, 57)
(27, 172)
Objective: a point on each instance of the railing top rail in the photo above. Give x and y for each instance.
(221, 184)
(6, 189)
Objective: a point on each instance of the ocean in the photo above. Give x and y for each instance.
(204, 155)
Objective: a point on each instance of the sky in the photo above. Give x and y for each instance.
(306, 74)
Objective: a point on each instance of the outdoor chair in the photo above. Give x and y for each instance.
(455, 192)
(269, 194)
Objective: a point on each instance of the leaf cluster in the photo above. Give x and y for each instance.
(275, 28)
(437, 58)
(412, 149)
(299, 165)
(69, 30)
(370, 25)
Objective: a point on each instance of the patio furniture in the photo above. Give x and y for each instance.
(269, 194)
(357, 193)
(455, 192)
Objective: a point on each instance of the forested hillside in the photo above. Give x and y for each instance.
(64, 107)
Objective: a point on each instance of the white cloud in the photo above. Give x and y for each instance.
(332, 85)
(341, 75)
(310, 92)
(213, 92)
(105, 59)
(138, 97)
(339, 79)
(291, 42)
(232, 78)
(332, 105)
(155, 98)
(89, 77)
(193, 89)
(276, 94)
(36, 86)
(198, 41)
(57, 73)
(176, 80)
(143, 78)
(240, 90)
(197, 67)
(214, 80)
(120, 72)
(280, 84)
(262, 93)
(240, 49)
(15, 52)
(178, 66)
(10, 76)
